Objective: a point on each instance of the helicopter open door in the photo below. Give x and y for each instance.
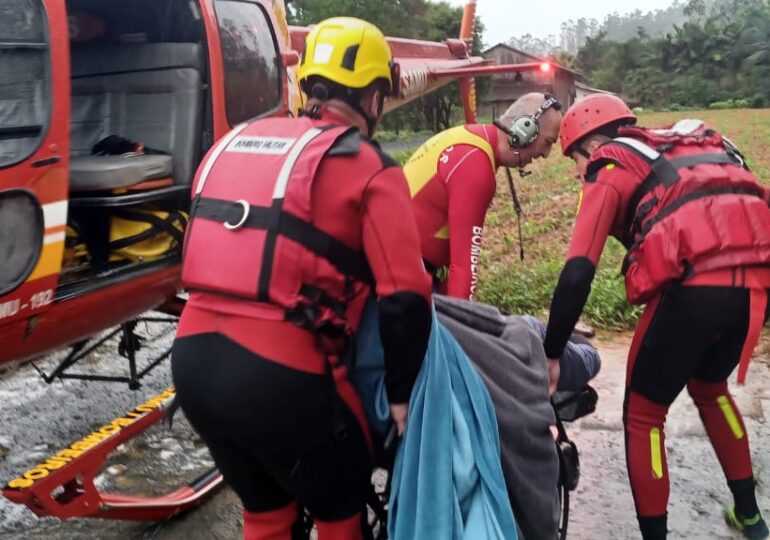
(34, 154)
(95, 228)
(176, 75)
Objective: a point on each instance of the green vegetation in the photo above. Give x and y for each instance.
(386, 136)
(402, 156)
(417, 19)
(730, 104)
(718, 58)
(696, 53)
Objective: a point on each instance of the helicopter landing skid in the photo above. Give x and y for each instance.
(130, 343)
(63, 486)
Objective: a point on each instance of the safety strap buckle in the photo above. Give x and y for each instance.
(238, 224)
(732, 150)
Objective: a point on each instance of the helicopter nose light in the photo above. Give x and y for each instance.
(246, 209)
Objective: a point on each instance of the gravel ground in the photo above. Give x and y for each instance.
(40, 419)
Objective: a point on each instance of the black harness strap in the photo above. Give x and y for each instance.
(157, 225)
(321, 297)
(679, 203)
(716, 158)
(271, 225)
(662, 171)
(347, 260)
(665, 172)
(595, 167)
(695, 195)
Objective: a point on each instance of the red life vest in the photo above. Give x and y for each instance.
(250, 235)
(699, 208)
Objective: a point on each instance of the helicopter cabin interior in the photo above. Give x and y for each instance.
(141, 116)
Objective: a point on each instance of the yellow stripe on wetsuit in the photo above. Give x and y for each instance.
(656, 453)
(422, 167)
(731, 417)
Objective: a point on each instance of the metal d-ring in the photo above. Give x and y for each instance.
(246, 208)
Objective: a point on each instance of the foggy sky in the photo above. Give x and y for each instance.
(505, 18)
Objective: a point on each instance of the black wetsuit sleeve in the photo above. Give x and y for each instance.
(567, 304)
(405, 320)
(597, 214)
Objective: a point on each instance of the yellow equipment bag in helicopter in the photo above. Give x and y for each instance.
(75, 250)
(143, 235)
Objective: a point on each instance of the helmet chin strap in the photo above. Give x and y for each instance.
(370, 122)
(583, 152)
(352, 98)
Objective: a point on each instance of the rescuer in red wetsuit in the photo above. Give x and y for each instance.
(452, 180)
(293, 222)
(696, 225)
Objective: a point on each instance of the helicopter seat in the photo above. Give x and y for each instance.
(101, 173)
(145, 92)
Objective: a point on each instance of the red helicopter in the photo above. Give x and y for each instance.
(106, 110)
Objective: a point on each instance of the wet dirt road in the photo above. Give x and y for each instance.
(603, 506)
(38, 420)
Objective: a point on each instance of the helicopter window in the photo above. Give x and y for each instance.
(138, 72)
(24, 79)
(250, 55)
(138, 21)
(21, 237)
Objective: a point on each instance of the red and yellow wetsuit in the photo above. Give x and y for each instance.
(452, 182)
(690, 336)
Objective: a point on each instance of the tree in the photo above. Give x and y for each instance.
(400, 18)
(532, 45)
(754, 41)
(417, 19)
(565, 59)
(695, 8)
(443, 20)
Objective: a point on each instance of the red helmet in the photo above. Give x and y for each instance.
(590, 114)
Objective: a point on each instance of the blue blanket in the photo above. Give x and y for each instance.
(447, 481)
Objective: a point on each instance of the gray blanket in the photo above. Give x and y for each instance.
(510, 358)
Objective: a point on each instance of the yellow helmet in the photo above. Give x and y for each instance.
(348, 51)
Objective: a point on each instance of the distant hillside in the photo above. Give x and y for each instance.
(619, 27)
(653, 23)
